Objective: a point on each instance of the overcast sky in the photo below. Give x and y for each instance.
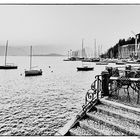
(61, 27)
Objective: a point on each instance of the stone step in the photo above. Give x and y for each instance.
(119, 113)
(124, 126)
(99, 128)
(122, 107)
(78, 131)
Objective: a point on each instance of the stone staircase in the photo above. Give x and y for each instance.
(108, 118)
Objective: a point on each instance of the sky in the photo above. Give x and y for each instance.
(59, 28)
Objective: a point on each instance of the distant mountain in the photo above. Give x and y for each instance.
(51, 54)
(25, 51)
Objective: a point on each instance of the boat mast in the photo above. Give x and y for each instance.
(30, 57)
(68, 54)
(6, 52)
(101, 49)
(95, 49)
(82, 50)
(98, 51)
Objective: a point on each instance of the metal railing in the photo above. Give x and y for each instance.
(94, 93)
(127, 81)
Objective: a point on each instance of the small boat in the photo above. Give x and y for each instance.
(7, 66)
(120, 62)
(32, 72)
(91, 60)
(66, 60)
(112, 60)
(84, 68)
(95, 59)
(102, 63)
(131, 62)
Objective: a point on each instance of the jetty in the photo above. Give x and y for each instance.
(111, 105)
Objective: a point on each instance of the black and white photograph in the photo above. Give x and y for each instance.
(69, 69)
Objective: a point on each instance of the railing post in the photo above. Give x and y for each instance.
(105, 82)
(97, 87)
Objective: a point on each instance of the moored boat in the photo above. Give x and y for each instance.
(7, 66)
(131, 62)
(32, 72)
(102, 63)
(120, 62)
(85, 68)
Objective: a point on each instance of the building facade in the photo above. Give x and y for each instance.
(128, 51)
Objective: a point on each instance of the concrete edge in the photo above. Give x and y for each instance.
(66, 127)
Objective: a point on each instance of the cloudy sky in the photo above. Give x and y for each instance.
(61, 27)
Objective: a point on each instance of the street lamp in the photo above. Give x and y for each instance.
(136, 51)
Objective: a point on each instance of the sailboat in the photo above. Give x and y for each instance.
(101, 62)
(32, 72)
(95, 59)
(84, 68)
(7, 66)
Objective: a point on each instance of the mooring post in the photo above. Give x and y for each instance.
(128, 69)
(105, 82)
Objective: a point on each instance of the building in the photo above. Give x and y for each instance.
(128, 51)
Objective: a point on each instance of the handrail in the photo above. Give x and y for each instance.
(92, 94)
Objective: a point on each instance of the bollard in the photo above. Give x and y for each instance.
(105, 82)
(127, 68)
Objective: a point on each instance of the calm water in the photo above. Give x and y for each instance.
(41, 105)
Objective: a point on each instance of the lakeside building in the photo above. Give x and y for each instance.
(128, 51)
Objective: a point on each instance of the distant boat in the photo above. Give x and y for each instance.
(131, 62)
(7, 66)
(32, 72)
(112, 60)
(91, 60)
(102, 63)
(95, 59)
(84, 68)
(120, 62)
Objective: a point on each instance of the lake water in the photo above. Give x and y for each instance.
(41, 105)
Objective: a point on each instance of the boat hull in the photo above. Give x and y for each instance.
(84, 68)
(101, 63)
(33, 72)
(8, 67)
(119, 63)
